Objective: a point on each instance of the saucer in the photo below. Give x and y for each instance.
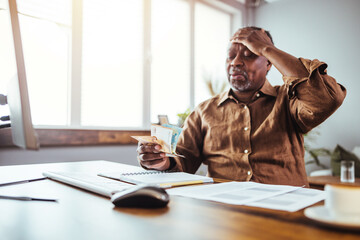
(322, 215)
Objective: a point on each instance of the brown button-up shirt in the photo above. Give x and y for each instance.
(261, 141)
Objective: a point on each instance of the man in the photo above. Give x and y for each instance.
(254, 131)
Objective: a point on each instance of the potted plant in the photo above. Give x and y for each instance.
(334, 156)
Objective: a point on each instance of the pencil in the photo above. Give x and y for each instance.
(22, 181)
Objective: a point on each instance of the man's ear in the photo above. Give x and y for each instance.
(268, 66)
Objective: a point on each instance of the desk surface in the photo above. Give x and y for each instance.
(83, 215)
(319, 182)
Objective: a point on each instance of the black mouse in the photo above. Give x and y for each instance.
(141, 197)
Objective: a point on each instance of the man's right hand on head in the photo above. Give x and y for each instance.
(150, 157)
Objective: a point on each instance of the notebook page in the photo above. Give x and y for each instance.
(162, 179)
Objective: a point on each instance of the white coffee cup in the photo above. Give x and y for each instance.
(343, 202)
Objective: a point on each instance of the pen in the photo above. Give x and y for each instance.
(177, 184)
(27, 198)
(22, 181)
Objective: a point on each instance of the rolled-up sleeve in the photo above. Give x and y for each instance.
(314, 98)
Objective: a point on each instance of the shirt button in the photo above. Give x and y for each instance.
(258, 95)
(245, 106)
(249, 173)
(246, 128)
(246, 151)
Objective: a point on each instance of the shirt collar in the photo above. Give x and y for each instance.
(266, 89)
(225, 96)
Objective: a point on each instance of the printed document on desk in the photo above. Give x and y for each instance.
(291, 201)
(279, 197)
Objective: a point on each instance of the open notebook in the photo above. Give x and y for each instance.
(161, 179)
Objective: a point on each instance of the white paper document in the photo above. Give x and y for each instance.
(291, 201)
(279, 197)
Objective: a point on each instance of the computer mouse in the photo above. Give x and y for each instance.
(141, 197)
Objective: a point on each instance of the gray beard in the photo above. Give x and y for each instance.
(244, 87)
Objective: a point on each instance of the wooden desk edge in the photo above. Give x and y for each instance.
(319, 182)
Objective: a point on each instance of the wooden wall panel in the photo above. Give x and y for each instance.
(76, 137)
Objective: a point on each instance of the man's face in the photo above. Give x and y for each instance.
(246, 71)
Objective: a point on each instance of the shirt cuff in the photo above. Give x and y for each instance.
(311, 66)
(172, 164)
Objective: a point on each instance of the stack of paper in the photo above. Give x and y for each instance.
(165, 135)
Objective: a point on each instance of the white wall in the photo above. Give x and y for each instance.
(329, 31)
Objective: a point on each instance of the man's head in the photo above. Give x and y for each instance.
(247, 71)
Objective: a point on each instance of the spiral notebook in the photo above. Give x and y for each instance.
(159, 178)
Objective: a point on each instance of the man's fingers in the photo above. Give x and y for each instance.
(151, 156)
(243, 35)
(152, 160)
(246, 33)
(148, 148)
(158, 164)
(238, 40)
(151, 164)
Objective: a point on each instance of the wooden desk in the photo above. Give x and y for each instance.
(319, 182)
(83, 215)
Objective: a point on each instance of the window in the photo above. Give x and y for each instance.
(112, 63)
(170, 47)
(46, 56)
(212, 34)
(117, 63)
